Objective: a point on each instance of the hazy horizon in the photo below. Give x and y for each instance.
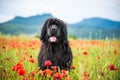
(56, 17)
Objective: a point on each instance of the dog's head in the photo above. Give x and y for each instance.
(54, 31)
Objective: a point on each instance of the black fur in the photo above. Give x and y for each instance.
(59, 52)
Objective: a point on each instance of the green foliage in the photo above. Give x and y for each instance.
(72, 37)
(37, 36)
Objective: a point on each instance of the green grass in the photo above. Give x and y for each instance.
(86, 66)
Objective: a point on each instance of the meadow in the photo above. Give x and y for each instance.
(93, 60)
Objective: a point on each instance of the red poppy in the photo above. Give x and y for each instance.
(57, 76)
(112, 67)
(8, 59)
(115, 52)
(13, 68)
(25, 53)
(72, 67)
(68, 79)
(64, 73)
(99, 57)
(30, 56)
(4, 73)
(4, 70)
(47, 72)
(85, 78)
(17, 67)
(47, 63)
(54, 68)
(3, 47)
(21, 71)
(31, 60)
(85, 53)
(85, 73)
(22, 59)
(32, 74)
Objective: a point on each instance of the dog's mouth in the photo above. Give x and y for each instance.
(53, 39)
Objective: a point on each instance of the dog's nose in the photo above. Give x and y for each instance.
(53, 31)
(53, 28)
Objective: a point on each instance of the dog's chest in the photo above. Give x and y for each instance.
(56, 53)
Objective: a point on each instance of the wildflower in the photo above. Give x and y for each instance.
(19, 68)
(72, 67)
(3, 47)
(47, 63)
(25, 53)
(64, 73)
(115, 52)
(30, 45)
(21, 71)
(8, 59)
(85, 78)
(47, 72)
(99, 57)
(32, 79)
(68, 79)
(36, 70)
(4, 70)
(22, 59)
(16, 67)
(31, 60)
(31, 74)
(85, 73)
(54, 68)
(4, 73)
(30, 56)
(85, 53)
(57, 76)
(13, 68)
(112, 67)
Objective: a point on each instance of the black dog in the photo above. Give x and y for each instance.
(55, 45)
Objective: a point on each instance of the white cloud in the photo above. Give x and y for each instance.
(68, 10)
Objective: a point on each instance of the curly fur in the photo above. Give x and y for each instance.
(58, 53)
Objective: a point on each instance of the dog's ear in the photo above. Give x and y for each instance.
(64, 31)
(43, 35)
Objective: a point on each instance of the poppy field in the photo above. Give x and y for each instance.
(92, 60)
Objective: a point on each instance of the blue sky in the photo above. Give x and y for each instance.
(68, 10)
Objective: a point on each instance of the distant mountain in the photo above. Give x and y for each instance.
(33, 20)
(96, 28)
(21, 25)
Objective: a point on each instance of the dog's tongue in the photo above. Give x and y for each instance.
(53, 39)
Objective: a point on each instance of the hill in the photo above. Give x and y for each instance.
(21, 25)
(95, 28)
